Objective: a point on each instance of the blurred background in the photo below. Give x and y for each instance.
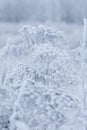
(65, 14)
(43, 10)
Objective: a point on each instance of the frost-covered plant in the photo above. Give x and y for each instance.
(30, 36)
(83, 58)
(81, 120)
(41, 82)
(41, 107)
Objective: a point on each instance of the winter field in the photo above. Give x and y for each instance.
(43, 65)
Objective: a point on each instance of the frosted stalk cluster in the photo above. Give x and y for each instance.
(40, 85)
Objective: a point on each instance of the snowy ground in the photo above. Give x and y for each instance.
(41, 79)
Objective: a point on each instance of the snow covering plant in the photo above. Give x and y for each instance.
(39, 90)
